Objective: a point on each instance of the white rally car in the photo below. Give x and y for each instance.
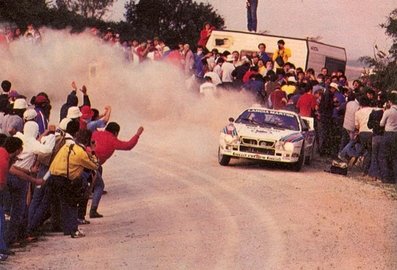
(271, 135)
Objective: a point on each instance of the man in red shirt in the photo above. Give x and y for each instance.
(106, 142)
(11, 147)
(307, 102)
(278, 98)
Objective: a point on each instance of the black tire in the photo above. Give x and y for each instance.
(223, 159)
(309, 159)
(297, 166)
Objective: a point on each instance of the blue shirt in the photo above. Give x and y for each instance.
(94, 125)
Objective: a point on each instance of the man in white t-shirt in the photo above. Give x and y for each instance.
(227, 69)
(207, 88)
(364, 133)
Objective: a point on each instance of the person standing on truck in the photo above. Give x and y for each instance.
(281, 55)
(252, 6)
(205, 34)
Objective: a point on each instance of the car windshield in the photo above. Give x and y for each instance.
(267, 118)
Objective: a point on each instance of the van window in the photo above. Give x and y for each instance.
(333, 64)
(223, 42)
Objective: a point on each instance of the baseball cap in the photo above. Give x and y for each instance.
(86, 111)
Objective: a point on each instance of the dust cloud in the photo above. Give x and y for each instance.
(153, 95)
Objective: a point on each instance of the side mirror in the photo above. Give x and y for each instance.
(231, 119)
(305, 129)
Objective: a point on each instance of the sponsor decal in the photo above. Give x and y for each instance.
(294, 137)
(230, 129)
(271, 112)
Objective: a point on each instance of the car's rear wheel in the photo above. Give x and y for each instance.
(223, 159)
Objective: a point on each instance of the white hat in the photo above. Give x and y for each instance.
(291, 79)
(334, 85)
(29, 114)
(20, 103)
(230, 58)
(64, 123)
(74, 112)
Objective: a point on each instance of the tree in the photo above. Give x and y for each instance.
(384, 65)
(87, 8)
(172, 20)
(23, 12)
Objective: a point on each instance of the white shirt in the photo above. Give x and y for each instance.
(31, 146)
(214, 77)
(351, 108)
(227, 69)
(207, 88)
(389, 119)
(218, 70)
(361, 119)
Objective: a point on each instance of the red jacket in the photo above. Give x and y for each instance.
(106, 143)
(4, 164)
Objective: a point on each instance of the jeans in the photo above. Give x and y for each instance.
(18, 189)
(366, 142)
(3, 245)
(388, 157)
(83, 201)
(352, 149)
(252, 20)
(346, 137)
(374, 169)
(39, 208)
(66, 192)
(99, 186)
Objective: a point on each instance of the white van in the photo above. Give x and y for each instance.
(305, 53)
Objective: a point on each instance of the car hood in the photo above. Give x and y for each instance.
(267, 133)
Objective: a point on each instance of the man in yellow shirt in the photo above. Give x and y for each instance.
(65, 181)
(281, 55)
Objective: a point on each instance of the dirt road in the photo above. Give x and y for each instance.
(171, 208)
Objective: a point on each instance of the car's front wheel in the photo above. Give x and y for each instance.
(297, 166)
(223, 159)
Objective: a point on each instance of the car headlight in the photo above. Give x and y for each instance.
(289, 147)
(229, 139)
(279, 145)
(284, 146)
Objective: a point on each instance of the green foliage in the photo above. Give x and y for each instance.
(87, 8)
(22, 12)
(172, 20)
(384, 64)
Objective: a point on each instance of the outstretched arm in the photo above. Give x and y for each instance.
(106, 115)
(86, 98)
(128, 145)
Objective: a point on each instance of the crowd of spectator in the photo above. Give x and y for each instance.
(49, 172)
